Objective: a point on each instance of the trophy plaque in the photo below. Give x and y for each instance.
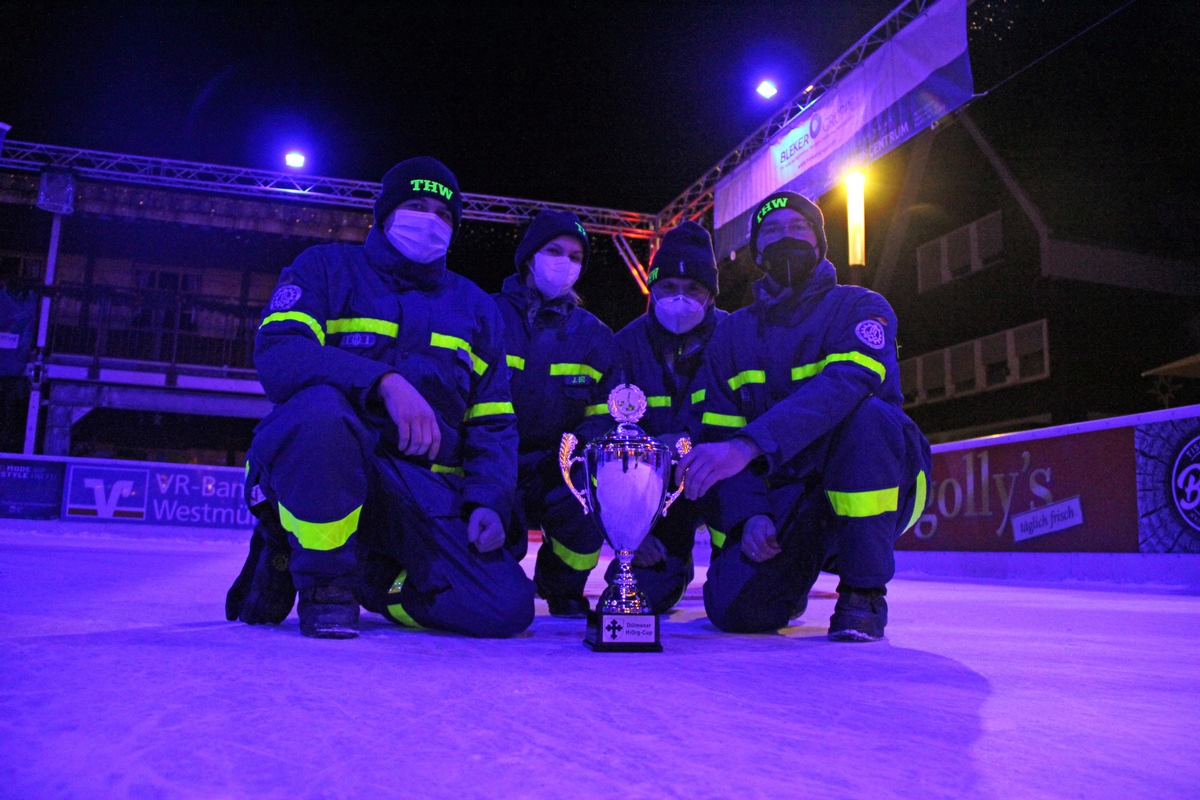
(627, 475)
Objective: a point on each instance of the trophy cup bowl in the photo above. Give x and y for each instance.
(627, 474)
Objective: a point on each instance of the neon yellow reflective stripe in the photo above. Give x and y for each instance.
(864, 504)
(591, 411)
(698, 396)
(320, 535)
(575, 369)
(516, 362)
(919, 501)
(247, 469)
(296, 316)
(808, 370)
(716, 537)
(395, 610)
(747, 376)
(454, 343)
(723, 420)
(488, 410)
(442, 469)
(576, 561)
(658, 401)
(363, 325)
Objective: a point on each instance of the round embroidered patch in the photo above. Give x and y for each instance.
(285, 297)
(871, 334)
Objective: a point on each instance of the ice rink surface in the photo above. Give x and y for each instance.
(121, 679)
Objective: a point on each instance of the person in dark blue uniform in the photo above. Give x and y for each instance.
(813, 463)
(561, 369)
(386, 470)
(660, 352)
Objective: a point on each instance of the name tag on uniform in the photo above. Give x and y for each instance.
(357, 340)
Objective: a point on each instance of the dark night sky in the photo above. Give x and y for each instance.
(614, 104)
(617, 104)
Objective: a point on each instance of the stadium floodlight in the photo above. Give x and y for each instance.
(294, 159)
(767, 89)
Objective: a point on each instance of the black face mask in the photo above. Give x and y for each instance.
(789, 261)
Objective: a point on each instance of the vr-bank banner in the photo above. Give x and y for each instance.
(919, 76)
(1132, 489)
(150, 494)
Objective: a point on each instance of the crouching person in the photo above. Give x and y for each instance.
(813, 464)
(389, 462)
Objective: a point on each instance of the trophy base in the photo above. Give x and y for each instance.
(622, 633)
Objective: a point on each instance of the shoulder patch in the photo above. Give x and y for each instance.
(870, 333)
(285, 297)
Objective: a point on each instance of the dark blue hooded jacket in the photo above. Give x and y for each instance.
(345, 315)
(790, 367)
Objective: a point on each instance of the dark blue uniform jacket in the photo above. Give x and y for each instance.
(789, 368)
(561, 369)
(665, 366)
(345, 315)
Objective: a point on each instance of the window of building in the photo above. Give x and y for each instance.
(962, 368)
(960, 252)
(1005, 358)
(21, 266)
(909, 384)
(171, 280)
(993, 353)
(933, 376)
(1029, 343)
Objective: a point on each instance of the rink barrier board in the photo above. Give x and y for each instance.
(1116, 499)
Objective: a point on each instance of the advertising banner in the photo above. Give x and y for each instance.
(156, 494)
(30, 489)
(1114, 489)
(1168, 484)
(918, 76)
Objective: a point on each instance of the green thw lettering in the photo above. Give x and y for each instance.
(433, 187)
(770, 206)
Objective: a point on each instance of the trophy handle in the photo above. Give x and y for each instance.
(566, 449)
(684, 446)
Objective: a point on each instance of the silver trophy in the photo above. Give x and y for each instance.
(627, 475)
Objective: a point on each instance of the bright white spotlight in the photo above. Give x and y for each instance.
(767, 89)
(294, 159)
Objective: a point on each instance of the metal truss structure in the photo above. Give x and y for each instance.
(693, 203)
(172, 174)
(697, 199)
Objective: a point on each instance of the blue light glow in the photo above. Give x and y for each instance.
(767, 89)
(294, 159)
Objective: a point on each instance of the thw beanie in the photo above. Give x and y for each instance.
(419, 177)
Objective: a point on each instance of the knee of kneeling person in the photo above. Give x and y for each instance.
(508, 616)
(738, 617)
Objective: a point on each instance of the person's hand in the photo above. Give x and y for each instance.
(652, 551)
(415, 420)
(484, 529)
(708, 463)
(758, 539)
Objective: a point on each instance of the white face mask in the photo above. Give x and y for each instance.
(419, 236)
(554, 275)
(679, 313)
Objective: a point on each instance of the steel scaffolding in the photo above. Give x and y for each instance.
(171, 174)
(696, 200)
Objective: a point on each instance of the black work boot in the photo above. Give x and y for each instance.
(263, 592)
(567, 606)
(859, 616)
(328, 612)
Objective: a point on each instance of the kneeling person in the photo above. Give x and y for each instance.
(661, 352)
(813, 463)
(388, 464)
